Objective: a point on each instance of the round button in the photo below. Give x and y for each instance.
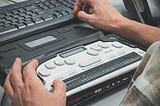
(95, 47)
(117, 45)
(104, 45)
(92, 52)
(44, 73)
(50, 65)
(69, 61)
(59, 62)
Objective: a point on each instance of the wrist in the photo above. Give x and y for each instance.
(119, 25)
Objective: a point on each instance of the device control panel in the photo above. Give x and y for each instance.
(85, 66)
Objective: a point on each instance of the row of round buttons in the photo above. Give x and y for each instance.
(52, 65)
(94, 49)
(59, 62)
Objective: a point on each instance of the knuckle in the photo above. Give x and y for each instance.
(19, 85)
(30, 84)
(26, 69)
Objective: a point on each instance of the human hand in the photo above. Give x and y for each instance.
(25, 89)
(104, 15)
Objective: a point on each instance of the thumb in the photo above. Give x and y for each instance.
(82, 15)
(59, 88)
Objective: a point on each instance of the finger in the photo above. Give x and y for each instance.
(84, 16)
(59, 88)
(29, 72)
(77, 7)
(8, 87)
(91, 3)
(79, 3)
(16, 74)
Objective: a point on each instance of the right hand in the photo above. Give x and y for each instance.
(104, 15)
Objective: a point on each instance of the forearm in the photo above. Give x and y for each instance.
(140, 33)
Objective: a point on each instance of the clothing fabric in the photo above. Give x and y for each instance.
(144, 89)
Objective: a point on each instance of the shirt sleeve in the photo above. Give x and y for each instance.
(144, 89)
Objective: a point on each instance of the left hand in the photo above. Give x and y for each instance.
(26, 89)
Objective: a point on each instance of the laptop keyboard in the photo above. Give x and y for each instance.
(22, 19)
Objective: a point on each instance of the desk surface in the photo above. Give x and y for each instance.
(105, 100)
